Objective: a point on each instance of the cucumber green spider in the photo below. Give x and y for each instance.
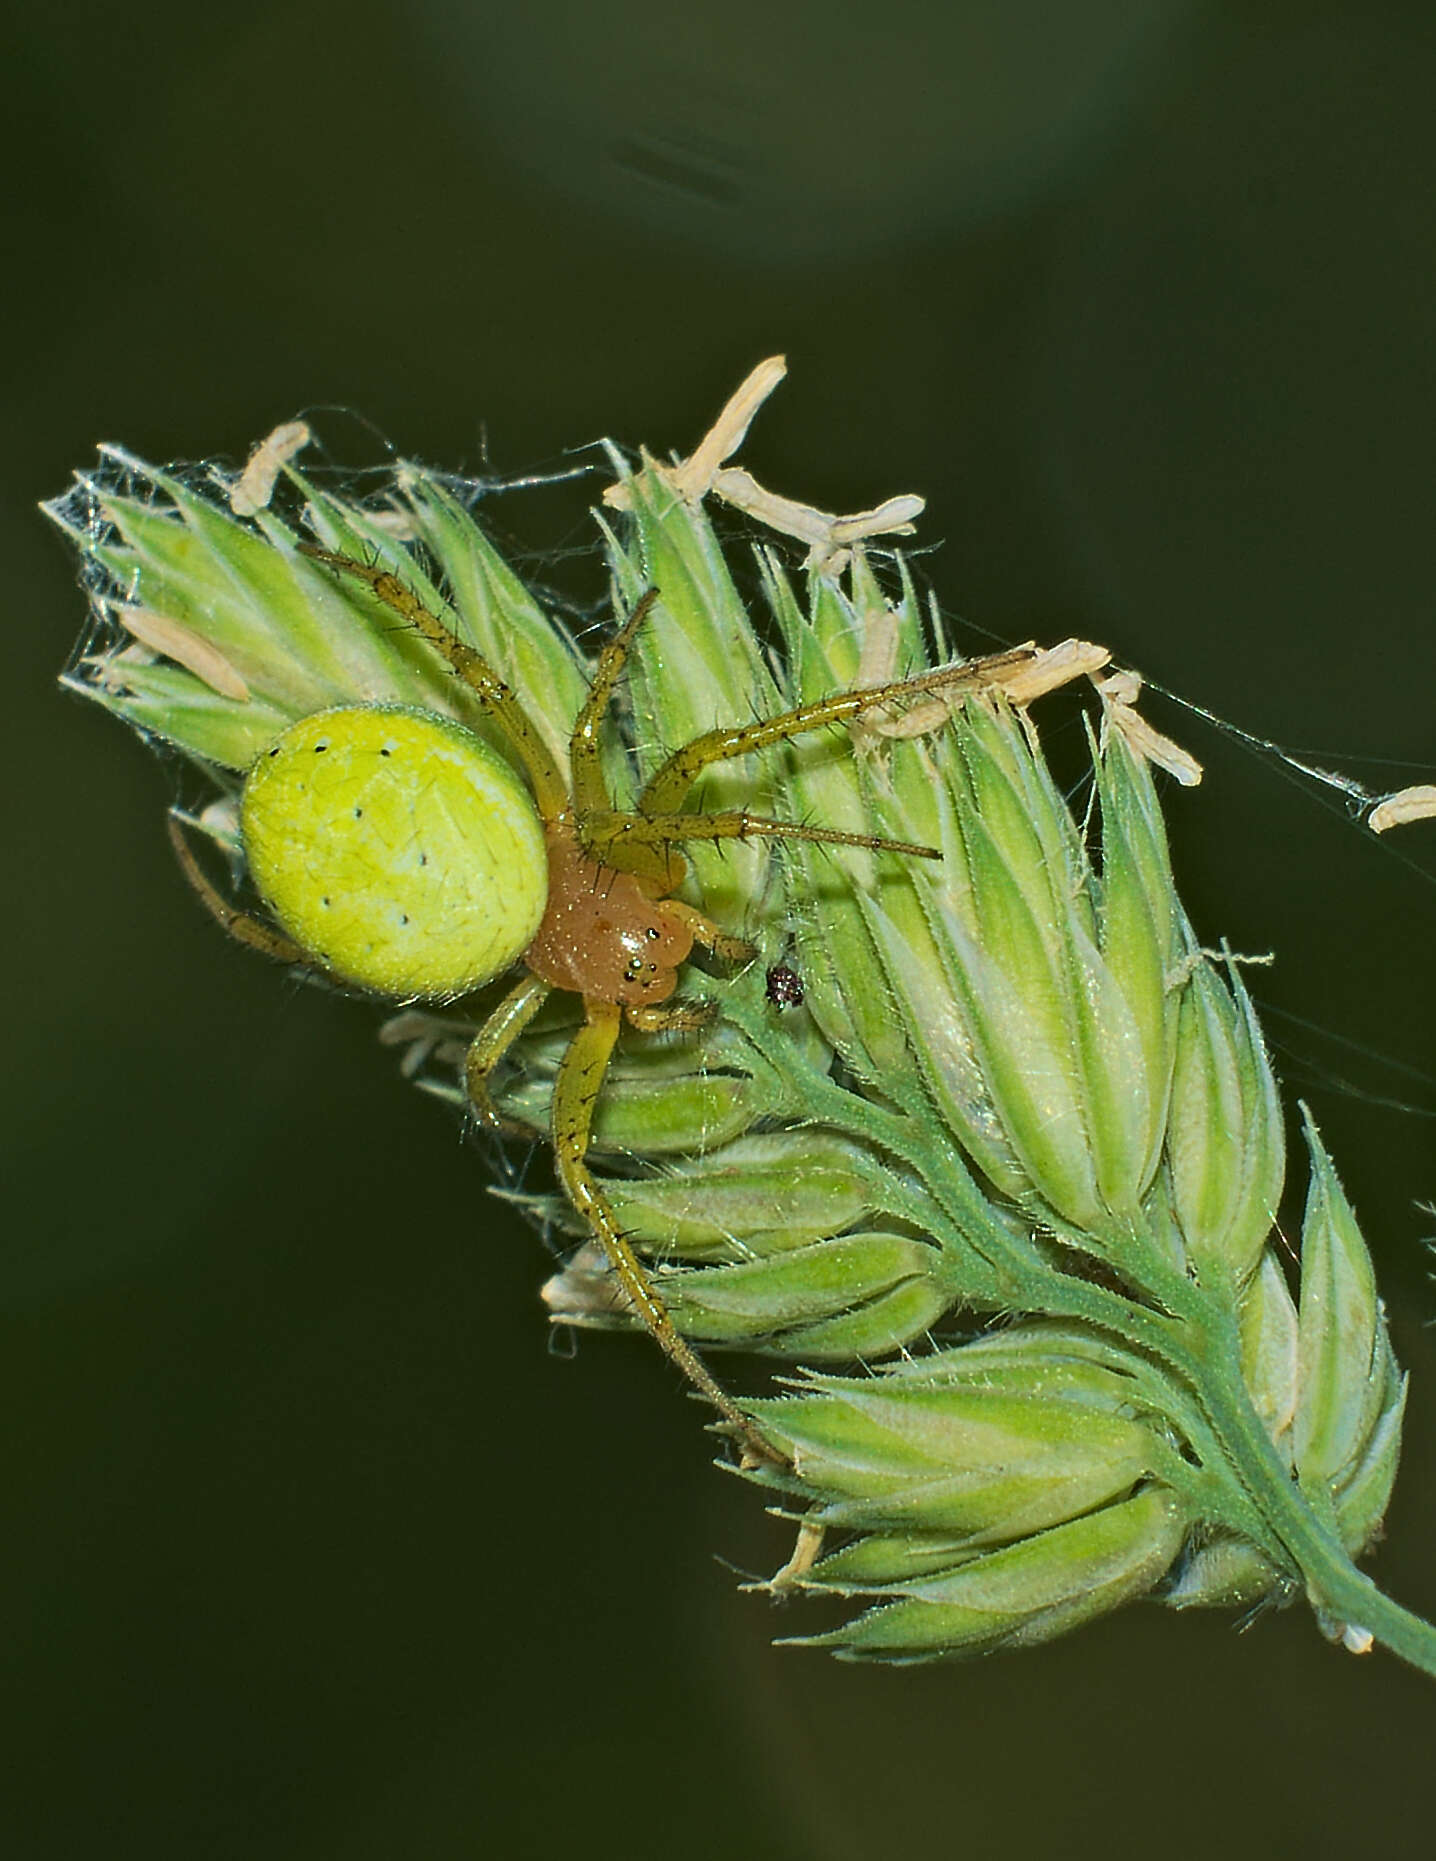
(397, 852)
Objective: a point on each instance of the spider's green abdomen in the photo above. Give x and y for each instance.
(396, 848)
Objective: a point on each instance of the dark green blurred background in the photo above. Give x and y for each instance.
(309, 1548)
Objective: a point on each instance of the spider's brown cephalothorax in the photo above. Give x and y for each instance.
(604, 932)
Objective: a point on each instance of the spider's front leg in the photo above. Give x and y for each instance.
(664, 792)
(633, 841)
(580, 1078)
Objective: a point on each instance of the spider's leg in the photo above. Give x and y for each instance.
(580, 1078)
(704, 931)
(494, 1039)
(589, 788)
(476, 672)
(608, 835)
(243, 926)
(666, 789)
(674, 1017)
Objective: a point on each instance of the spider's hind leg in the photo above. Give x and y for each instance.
(575, 1097)
(243, 926)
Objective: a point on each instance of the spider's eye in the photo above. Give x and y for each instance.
(652, 933)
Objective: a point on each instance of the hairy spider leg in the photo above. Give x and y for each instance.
(605, 830)
(590, 791)
(575, 1097)
(243, 926)
(641, 842)
(666, 789)
(585, 1063)
(493, 1040)
(550, 794)
(604, 827)
(608, 835)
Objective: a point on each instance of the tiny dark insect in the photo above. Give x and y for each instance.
(785, 987)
